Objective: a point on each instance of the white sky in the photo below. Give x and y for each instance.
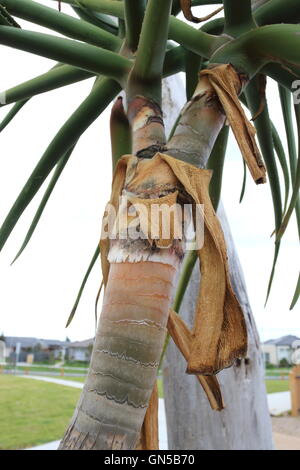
(38, 291)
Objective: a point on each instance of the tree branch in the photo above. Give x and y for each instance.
(174, 61)
(195, 40)
(238, 17)
(63, 75)
(90, 17)
(261, 46)
(57, 77)
(276, 11)
(87, 57)
(120, 132)
(280, 74)
(134, 15)
(146, 75)
(12, 113)
(109, 7)
(62, 23)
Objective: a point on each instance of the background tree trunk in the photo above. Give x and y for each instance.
(245, 422)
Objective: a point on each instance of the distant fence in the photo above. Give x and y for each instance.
(39, 356)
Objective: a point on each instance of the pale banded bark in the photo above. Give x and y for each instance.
(200, 123)
(245, 422)
(131, 332)
(137, 298)
(138, 293)
(192, 424)
(148, 133)
(125, 358)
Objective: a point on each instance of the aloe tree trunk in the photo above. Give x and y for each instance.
(192, 424)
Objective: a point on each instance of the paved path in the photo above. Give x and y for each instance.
(49, 446)
(279, 403)
(69, 383)
(286, 442)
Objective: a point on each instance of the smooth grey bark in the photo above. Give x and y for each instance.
(245, 422)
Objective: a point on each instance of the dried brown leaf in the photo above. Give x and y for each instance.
(227, 85)
(149, 434)
(219, 334)
(117, 186)
(183, 339)
(186, 6)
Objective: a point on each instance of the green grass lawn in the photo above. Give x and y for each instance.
(277, 372)
(33, 412)
(274, 386)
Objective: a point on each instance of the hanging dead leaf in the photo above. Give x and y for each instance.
(149, 439)
(219, 334)
(186, 6)
(117, 186)
(183, 338)
(227, 85)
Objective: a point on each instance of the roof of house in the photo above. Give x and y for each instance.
(283, 341)
(28, 342)
(81, 344)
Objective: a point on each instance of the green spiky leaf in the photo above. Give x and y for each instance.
(6, 19)
(82, 286)
(244, 181)
(296, 294)
(99, 98)
(58, 171)
(12, 113)
(264, 134)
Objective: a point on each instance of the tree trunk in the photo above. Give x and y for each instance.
(139, 274)
(245, 422)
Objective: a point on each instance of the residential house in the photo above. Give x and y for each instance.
(274, 350)
(80, 350)
(42, 349)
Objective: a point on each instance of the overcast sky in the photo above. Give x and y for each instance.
(38, 291)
